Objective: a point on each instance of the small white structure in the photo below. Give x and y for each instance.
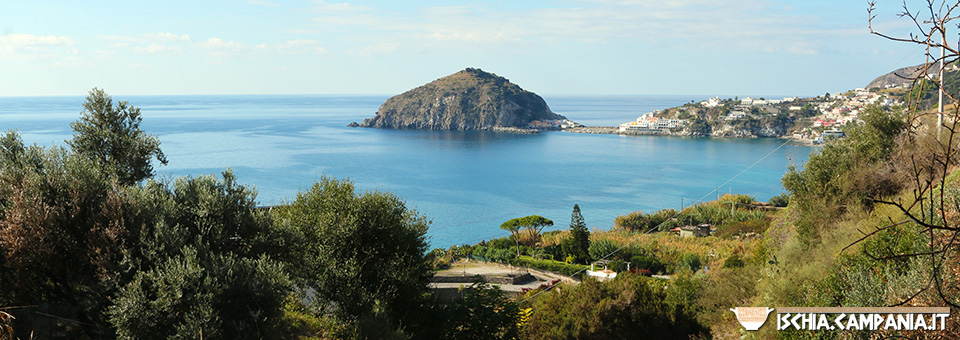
(712, 102)
(602, 275)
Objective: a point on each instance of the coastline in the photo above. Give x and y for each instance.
(613, 130)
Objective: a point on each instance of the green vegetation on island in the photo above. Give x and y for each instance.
(467, 100)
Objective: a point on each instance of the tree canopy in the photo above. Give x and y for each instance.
(363, 254)
(533, 224)
(630, 305)
(111, 136)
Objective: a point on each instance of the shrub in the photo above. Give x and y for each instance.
(649, 263)
(601, 248)
(630, 305)
(638, 221)
(780, 200)
(733, 261)
(689, 261)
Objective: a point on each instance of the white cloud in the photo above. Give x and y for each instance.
(36, 46)
(758, 25)
(157, 48)
(323, 6)
(167, 42)
(68, 62)
(300, 46)
(117, 38)
(219, 48)
(167, 36)
(261, 3)
(21, 40)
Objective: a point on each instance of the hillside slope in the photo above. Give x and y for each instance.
(467, 100)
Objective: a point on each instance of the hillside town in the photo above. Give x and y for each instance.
(808, 120)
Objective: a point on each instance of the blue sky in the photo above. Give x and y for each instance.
(564, 47)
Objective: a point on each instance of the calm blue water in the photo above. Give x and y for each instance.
(468, 183)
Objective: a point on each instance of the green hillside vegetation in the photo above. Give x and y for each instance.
(467, 100)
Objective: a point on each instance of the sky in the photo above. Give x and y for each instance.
(563, 47)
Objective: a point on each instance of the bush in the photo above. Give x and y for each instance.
(781, 200)
(601, 248)
(688, 262)
(847, 172)
(629, 304)
(638, 221)
(201, 245)
(649, 263)
(363, 254)
(501, 243)
(733, 261)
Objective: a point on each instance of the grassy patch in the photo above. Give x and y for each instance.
(551, 265)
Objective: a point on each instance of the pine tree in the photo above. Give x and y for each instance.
(579, 242)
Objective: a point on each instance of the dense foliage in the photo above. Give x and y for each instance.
(200, 246)
(362, 254)
(111, 136)
(136, 261)
(631, 305)
(849, 172)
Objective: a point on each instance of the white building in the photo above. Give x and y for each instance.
(712, 102)
(650, 121)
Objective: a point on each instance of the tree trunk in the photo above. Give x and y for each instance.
(516, 237)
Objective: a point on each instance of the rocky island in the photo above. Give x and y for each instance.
(467, 100)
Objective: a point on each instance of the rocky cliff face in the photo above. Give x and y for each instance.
(467, 100)
(902, 75)
(751, 129)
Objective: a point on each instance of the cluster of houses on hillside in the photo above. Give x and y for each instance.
(651, 122)
(830, 113)
(838, 110)
(749, 101)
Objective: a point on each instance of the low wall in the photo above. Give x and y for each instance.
(497, 279)
(538, 272)
(457, 279)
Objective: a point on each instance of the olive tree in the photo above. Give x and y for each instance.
(363, 254)
(206, 263)
(110, 134)
(60, 232)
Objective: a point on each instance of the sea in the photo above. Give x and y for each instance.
(465, 182)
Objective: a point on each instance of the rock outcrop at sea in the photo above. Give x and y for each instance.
(467, 100)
